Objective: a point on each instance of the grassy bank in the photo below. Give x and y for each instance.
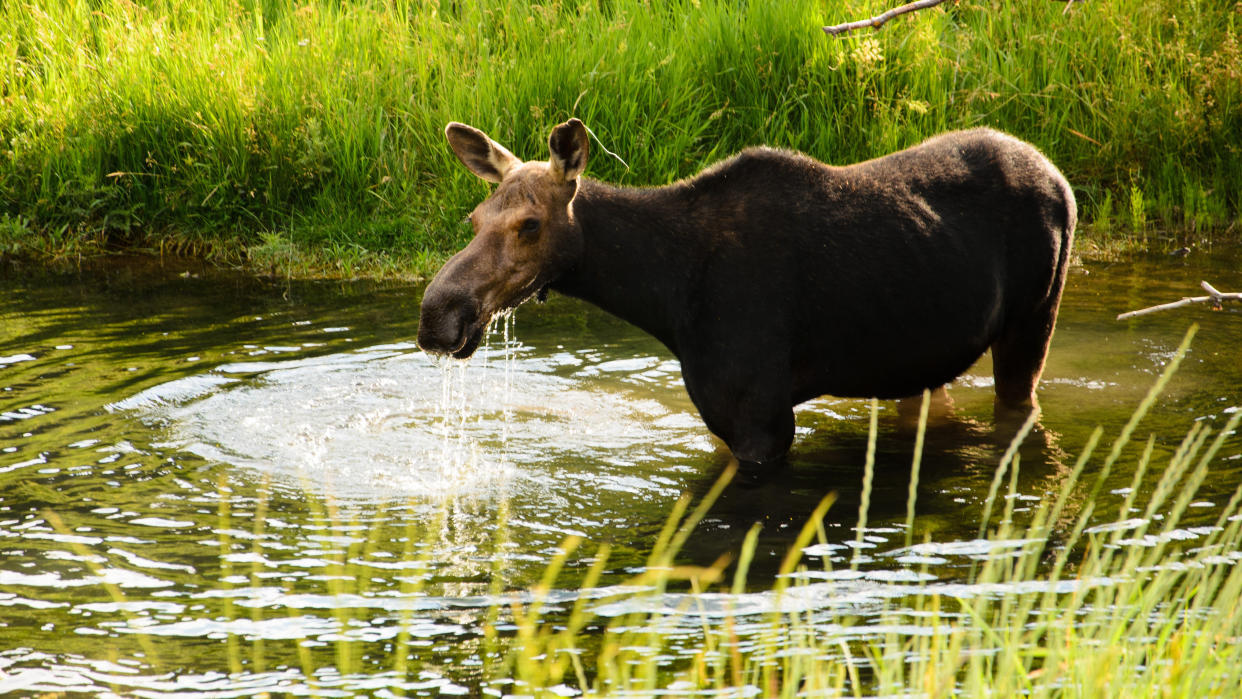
(302, 135)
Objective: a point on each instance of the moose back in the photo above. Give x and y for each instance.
(775, 278)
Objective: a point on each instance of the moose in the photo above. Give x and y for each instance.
(775, 278)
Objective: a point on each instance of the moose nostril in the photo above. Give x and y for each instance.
(436, 337)
(445, 318)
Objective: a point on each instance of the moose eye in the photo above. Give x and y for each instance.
(530, 225)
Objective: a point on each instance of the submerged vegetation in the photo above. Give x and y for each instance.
(299, 135)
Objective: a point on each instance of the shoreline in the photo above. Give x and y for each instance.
(386, 266)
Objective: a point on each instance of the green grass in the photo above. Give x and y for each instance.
(266, 130)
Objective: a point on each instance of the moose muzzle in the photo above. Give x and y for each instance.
(452, 321)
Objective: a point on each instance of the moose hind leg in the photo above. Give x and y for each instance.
(1017, 364)
(1018, 357)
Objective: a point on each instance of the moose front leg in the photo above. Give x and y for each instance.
(761, 442)
(747, 405)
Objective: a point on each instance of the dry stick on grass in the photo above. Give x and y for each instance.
(879, 20)
(1214, 297)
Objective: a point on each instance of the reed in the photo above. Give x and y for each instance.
(1134, 616)
(912, 489)
(1090, 604)
(305, 137)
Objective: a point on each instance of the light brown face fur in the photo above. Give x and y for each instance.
(520, 233)
(524, 237)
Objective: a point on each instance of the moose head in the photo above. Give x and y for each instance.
(525, 236)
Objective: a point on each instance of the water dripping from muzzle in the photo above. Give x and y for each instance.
(460, 451)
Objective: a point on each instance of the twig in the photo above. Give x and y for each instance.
(879, 20)
(1214, 297)
(605, 148)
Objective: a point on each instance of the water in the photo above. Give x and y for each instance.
(257, 474)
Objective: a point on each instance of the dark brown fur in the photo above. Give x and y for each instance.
(775, 278)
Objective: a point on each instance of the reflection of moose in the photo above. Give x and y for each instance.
(775, 278)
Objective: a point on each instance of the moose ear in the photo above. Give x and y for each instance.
(569, 147)
(480, 154)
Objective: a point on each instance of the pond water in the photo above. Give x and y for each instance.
(255, 474)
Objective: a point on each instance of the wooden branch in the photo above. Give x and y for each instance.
(1214, 297)
(879, 20)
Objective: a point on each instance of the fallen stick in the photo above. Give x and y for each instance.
(1214, 297)
(879, 20)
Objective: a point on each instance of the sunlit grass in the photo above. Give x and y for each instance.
(1116, 612)
(310, 134)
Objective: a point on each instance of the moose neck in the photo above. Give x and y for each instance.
(634, 256)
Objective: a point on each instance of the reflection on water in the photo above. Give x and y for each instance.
(202, 457)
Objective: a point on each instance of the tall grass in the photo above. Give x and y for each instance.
(274, 128)
(1109, 608)
(1070, 600)
(1097, 604)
